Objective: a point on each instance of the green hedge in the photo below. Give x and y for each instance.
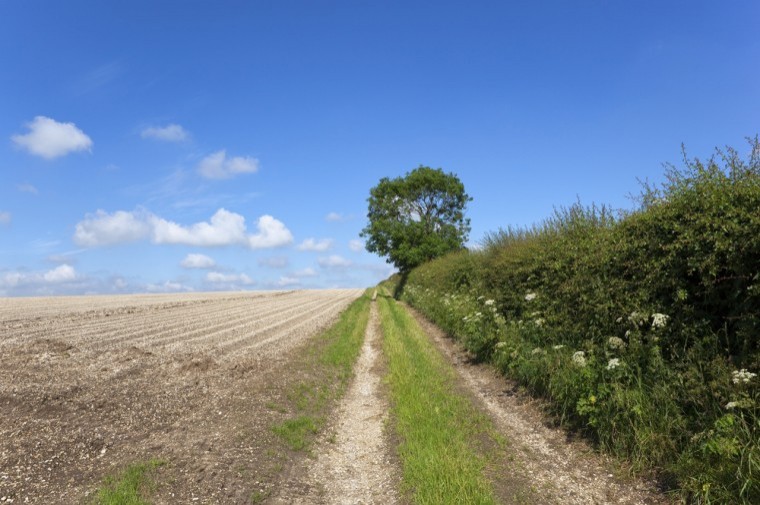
(642, 329)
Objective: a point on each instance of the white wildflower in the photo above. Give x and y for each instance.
(558, 347)
(579, 358)
(537, 350)
(659, 320)
(637, 318)
(613, 364)
(732, 405)
(500, 345)
(742, 375)
(539, 322)
(489, 302)
(616, 342)
(619, 319)
(481, 297)
(535, 314)
(478, 314)
(530, 297)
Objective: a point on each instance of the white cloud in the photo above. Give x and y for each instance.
(168, 133)
(200, 261)
(333, 217)
(288, 281)
(356, 245)
(272, 233)
(334, 261)
(61, 273)
(50, 139)
(218, 166)
(5, 218)
(311, 244)
(101, 228)
(167, 287)
(27, 188)
(218, 278)
(223, 229)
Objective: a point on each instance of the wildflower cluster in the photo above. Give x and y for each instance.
(473, 318)
(616, 343)
(742, 376)
(613, 363)
(579, 358)
(659, 320)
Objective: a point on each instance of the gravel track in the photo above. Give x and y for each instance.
(355, 463)
(88, 384)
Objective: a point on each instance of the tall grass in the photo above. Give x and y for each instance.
(635, 326)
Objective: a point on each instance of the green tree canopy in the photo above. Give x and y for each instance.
(416, 218)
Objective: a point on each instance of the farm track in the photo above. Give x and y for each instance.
(89, 384)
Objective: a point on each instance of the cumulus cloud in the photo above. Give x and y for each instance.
(311, 244)
(168, 133)
(356, 245)
(50, 139)
(200, 261)
(167, 287)
(102, 229)
(333, 217)
(5, 218)
(288, 281)
(334, 261)
(222, 278)
(59, 275)
(272, 233)
(218, 166)
(223, 229)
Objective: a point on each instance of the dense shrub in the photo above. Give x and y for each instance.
(640, 328)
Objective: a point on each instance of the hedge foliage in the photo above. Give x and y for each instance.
(642, 328)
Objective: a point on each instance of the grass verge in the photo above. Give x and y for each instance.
(131, 487)
(326, 368)
(437, 426)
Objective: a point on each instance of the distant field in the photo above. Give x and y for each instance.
(86, 383)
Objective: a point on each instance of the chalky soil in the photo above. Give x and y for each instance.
(355, 462)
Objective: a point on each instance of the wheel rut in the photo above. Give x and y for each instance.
(355, 462)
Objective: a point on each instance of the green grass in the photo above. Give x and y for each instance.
(438, 427)
(327, 362)
(131, 487)
(296, 432)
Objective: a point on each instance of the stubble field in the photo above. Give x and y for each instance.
(89, 384)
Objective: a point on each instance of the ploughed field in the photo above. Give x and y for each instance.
(88, 384)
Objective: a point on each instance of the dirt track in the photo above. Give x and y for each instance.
(88, 384)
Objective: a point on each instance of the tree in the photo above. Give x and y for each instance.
(416, 218)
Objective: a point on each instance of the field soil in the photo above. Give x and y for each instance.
(91, 384)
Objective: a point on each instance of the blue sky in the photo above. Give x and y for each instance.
(161, 146)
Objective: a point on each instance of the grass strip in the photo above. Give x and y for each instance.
(131, 487)
(327, 367)
(438, 426)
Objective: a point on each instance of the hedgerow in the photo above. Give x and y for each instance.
(640, 328)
